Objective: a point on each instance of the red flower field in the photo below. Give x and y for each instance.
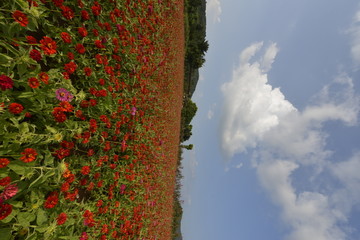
(91, 93)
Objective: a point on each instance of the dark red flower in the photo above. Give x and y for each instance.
(67, 12)
(70, 56)
(58, 3)
(21, 18)
(6, 82)
(82, 31)
(33, 82)
(95, 32)
(87, 71)
(29, 155)
(5, 210)
(85, 15)
(36, 55)
(61, 219)
(65, 37)
(15, 108)
(96, 9)
(5, 181)
(66, 106)
(48, 45)
(59, 114)
(31, 40)
(4, 162)
(80, 48)
(52, 200)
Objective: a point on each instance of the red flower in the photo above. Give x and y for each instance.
(5, 181)
(66, 37)
(48, 45)
(44, 77)
(20, 17)
(87, 71)
(33, 82)
(85, 170)
(95, 32)
(62, 153)
(70, 56)
(80, 48)
(15, 108)
(52, 200)
(85, 15)
(82, 31)
(6, 82)
(70, 67)
(96, 9)
(67, 107)
(35, 54)
(67, 12)
(29, 155)
(59, 114)
(5, 210)
(58, 3)
(65, 187)
(61, 219)
(99, 44)
(31, 40)
(4, 162)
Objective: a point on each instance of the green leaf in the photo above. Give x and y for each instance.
(26, 95)
(41, 217)
(5, 233)
(22, 168)
(25, 218)
(42, 229)
(24, 128)
(5, 60)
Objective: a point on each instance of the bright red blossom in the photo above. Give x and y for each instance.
(70, 67)
(29, 155)
(52, 200)
(33, 82)
(82, 31)
(85, 170)
(35, 54)
(4, 162)
(44, 77)
(48, 45)
(5, 181)
(65, 37)
(61, 219)
(21, 18)
(15, 108)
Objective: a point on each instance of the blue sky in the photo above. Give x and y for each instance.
(276, 136)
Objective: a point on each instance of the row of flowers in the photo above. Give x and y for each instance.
(80, 115)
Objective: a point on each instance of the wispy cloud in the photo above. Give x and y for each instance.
(354, 31)
(285, 140)
(213, 10)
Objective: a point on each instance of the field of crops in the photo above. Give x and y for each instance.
(90, 105)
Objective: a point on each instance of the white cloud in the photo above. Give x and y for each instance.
(308, 213)
(211, 112)
(239, 165)
(213, 10)
(285, 140)
(355, 38)
(252, 107)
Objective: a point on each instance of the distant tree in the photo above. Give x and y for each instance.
(188, 147)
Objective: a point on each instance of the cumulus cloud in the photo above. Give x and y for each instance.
(285, 140)
(213, 10)
(252, 107)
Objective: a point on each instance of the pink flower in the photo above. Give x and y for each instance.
(9, 192)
